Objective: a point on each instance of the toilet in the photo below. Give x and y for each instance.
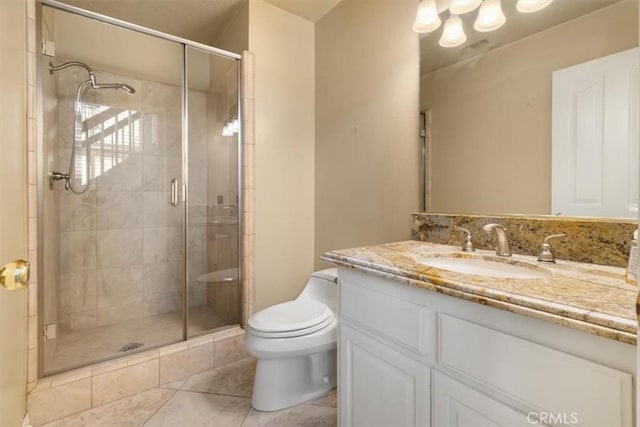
(295, 346)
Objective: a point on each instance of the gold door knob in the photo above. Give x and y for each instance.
(14, 275)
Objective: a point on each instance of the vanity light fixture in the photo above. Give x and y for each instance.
(490, 16)
(453, 33)
(529, 6)
(460, 7)
(427, 18)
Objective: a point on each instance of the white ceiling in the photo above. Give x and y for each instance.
(518, 25)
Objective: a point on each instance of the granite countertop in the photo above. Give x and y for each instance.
(588, 297)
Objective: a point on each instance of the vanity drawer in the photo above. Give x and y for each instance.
(541, 377)
(400, 321)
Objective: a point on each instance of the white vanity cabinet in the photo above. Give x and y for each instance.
(455, 404)
(411, 357)
(382, 386)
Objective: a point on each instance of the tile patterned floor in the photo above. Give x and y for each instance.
(218, 397)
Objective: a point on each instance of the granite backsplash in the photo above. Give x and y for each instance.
(590, 240)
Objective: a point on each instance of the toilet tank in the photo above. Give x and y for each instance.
(322, 286)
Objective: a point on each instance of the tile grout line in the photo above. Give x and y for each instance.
(160, 407)
(244, 420)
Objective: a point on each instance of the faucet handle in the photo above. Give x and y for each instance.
(545, 254)
(467, 246)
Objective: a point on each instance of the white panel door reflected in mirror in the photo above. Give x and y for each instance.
(595, 137)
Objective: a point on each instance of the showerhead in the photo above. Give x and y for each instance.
(127, 88)
(120, 86)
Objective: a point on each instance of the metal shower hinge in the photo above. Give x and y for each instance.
(48, 48)
(50, 331)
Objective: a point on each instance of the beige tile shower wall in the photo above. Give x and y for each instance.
(514, 81)
(74, 391)
(199, 105)
(50, 209)
(248, 186)
(591, 240)
(121, 242)
(221, 159)
(221, 166)
(32, 211)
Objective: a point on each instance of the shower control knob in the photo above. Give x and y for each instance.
(59, 176)
(326, 379)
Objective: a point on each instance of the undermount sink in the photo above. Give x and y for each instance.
(485, 267)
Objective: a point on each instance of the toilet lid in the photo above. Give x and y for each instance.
(291, 316)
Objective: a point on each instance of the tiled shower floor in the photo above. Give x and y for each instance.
(87, 346)
(216, 398)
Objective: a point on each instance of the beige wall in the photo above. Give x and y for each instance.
(491, 115)
(283, 45)
(366, 124)
(13, 216)
(234, 37)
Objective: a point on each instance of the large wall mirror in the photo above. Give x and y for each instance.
(493, 121)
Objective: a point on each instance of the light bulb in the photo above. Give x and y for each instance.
(427, 18)
(490, 16)
(458, 7)
(529, 6)
(453, 34)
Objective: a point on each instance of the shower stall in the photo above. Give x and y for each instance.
(139, 168)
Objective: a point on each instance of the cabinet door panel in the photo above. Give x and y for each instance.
(457, 405)
(404, 322)
(379, 386)
(539, 376)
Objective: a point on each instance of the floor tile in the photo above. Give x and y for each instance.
(330, 399)
(235, 379)
(129, 412)
(175, 385)
(297, 416)
(187, 408)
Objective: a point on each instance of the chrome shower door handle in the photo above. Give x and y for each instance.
(174, 192)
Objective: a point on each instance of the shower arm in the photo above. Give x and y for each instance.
(92, 75)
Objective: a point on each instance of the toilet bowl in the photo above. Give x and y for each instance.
(294, 344)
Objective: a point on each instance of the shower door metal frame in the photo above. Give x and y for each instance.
(185, 43)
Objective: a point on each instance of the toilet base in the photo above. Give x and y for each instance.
(281, 383)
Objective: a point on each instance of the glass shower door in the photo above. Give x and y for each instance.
(212, 197)
(113, 235)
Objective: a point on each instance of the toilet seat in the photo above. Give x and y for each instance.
(291, 319)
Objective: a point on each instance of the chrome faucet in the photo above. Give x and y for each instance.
(503, 248)
(467, 246)
(545, 254)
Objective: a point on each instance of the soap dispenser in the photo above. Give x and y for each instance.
(632, 268)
